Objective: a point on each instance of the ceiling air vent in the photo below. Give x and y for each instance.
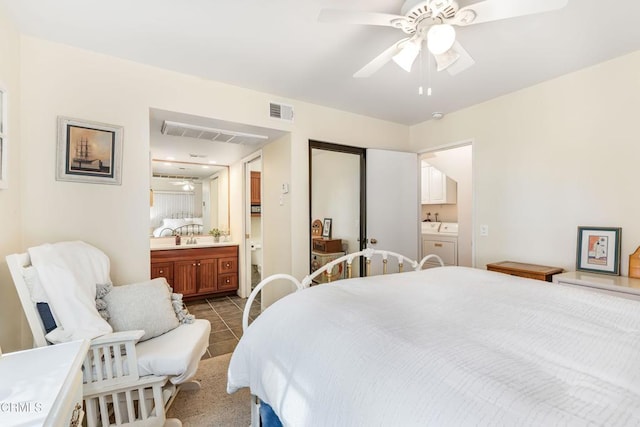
(281, 111)
(210, 134)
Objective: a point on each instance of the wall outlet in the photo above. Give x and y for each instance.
(484, 230)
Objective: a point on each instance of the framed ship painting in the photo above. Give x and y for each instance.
(89, 152)
(599, 250)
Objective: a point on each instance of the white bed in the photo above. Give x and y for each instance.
(444, 346)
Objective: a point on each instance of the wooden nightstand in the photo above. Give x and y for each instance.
(531, 271)
(622, 286)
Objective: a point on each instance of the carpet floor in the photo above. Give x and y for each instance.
(211, 405)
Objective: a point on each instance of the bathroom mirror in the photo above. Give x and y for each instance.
(186, 202)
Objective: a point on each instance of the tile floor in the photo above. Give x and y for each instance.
(225, 315)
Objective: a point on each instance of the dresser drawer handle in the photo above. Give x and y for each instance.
(228, 281)
(228, 265)
(437, 245)
(161, 271)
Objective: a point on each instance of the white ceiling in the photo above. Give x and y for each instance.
(197, 158)
(279, 47)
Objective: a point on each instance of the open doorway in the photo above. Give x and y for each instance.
(253, 219)
(454, 216)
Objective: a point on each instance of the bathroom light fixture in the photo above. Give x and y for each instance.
(440, 38)
(408, 54)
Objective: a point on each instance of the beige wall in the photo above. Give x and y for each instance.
(550, 158)
(13, 329)
(58, 80)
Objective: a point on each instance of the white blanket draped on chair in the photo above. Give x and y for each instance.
(68, 273)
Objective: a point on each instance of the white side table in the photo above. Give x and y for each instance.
(42, 386)
(622, 286)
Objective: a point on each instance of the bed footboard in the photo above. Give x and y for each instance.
(326, 269)
(258, 289)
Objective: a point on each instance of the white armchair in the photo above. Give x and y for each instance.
(126, 382)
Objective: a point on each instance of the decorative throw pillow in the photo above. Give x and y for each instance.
(101, 304)
(181, 311)
(146, 306)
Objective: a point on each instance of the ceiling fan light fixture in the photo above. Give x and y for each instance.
(444, 60)
(407, 55)
(440, 38)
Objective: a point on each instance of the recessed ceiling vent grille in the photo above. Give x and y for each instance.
(175, 176)
(281, 111)
(210, 134)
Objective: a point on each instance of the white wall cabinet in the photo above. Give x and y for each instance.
(437, 188)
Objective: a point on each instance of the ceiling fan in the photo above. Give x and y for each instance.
(434, 21)
(186, 185)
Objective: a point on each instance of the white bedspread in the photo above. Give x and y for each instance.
(69, 272)
(449, 346)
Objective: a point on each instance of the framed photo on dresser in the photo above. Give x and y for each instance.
(599, 250)
(326, 228)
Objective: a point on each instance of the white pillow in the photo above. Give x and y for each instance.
(36, 290)
(146, 306)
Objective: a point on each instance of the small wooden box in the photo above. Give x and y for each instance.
(634, 264)
(327, 245)
(531, 271)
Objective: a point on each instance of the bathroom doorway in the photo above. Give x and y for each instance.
(253, 215)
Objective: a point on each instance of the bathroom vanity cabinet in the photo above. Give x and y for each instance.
(198, 272)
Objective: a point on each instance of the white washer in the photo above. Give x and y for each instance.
(443, 242)
(430, 227)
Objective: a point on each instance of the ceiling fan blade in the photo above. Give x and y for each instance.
(337, 16)
(454, 60)
(494, 10)
(379, 61)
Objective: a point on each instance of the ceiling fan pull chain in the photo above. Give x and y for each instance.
(428, 76)
(420, 91)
